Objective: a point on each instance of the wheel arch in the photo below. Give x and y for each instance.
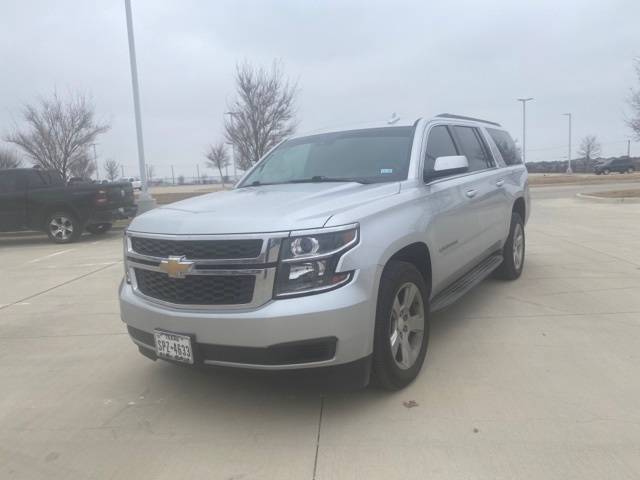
(519, 207)
(56, 207)
(416, 253)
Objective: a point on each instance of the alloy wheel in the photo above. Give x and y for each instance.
(407, 326)
(518, 246)
(61, 227)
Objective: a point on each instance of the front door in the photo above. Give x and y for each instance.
(12, 202)
(451, 213)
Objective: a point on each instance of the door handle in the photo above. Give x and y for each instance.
(500, 182)
(471, 193)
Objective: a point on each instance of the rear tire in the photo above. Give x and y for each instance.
(62, 227)
(513, 250)
(402, 326)
(99, 228)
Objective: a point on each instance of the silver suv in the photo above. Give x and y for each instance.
(332, 252)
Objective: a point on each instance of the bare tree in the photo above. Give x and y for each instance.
(634, 103)
(9, 159)
(83, 167)
(589, 148)
(58, 132)
(112, 169)
(217, 157)
(262, 114)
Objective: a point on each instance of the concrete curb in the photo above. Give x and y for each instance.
(595, 199)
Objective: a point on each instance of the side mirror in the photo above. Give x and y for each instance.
(450, 165)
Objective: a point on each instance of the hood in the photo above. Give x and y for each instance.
(267, 208)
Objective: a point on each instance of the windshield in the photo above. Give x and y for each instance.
(365, 156)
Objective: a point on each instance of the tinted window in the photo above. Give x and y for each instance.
(8, 182)
(439, 144)
(374, 155)
(506, 146)
(44, 178)
(471, 145)
(37, 179)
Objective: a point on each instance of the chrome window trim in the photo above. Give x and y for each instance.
(423, 151)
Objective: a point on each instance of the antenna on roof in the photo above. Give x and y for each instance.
(394, 118)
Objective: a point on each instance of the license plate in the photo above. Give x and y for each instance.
(173, 346)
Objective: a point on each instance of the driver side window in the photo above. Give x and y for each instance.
(439, 144)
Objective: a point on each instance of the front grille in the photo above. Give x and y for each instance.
(196, 289)
(197, 249)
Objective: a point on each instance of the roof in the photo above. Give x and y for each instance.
(401, 122)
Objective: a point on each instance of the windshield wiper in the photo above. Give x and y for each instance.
(322, 178)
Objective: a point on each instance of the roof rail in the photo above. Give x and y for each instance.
(462, 117)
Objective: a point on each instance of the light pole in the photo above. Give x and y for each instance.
(569, 171)
(233, 152)
(145, 201)
(95, 161)
(524, 126)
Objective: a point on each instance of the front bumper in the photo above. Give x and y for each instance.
(325, 329)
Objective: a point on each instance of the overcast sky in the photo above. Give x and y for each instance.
(353, 61)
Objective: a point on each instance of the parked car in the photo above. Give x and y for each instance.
(135, 182)
(332, 252)
(620, 165)
(35, 199)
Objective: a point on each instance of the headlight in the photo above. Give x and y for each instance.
(308, 262)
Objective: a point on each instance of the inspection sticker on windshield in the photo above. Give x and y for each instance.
(386, 170)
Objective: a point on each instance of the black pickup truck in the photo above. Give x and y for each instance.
(35, 199)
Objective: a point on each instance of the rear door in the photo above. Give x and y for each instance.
(482, 189)
(12, 201)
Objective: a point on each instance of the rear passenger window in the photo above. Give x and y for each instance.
(506, 146)
(36, 179)
(439, 144)
(473, 147)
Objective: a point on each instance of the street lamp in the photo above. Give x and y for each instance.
(95, 161)
(569, 171)
(145, 201)
(524, 125)
(233, 150)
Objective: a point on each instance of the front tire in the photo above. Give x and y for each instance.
(513, 251)
(402, 326)
(606, 171)
(630, 170)
(62, 227)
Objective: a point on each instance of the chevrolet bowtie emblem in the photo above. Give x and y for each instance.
(176, 267)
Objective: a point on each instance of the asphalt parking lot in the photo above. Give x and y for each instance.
(538, 378)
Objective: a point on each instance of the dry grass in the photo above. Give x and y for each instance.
(632, 193)
(543, 179)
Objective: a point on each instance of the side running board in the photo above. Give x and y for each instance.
(465, 283)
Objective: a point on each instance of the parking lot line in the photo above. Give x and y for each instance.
(35, 260)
